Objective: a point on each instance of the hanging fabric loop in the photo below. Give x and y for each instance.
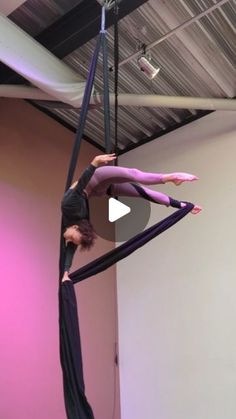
(76, 404)
(104, 262)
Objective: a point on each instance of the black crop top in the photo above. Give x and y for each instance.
(75, 207)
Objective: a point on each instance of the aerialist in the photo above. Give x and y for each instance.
(112, 181)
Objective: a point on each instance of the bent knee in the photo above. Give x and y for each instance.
(135, 173)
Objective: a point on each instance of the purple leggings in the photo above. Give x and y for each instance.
(119, 178)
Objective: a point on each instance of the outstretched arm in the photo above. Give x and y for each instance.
(70, 251)
(81, 184)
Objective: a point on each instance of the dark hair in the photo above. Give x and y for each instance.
(88, 234)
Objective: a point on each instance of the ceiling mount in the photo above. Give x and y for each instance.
(109, 4)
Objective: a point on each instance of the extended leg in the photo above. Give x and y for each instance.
(106, 175)
(137, 191)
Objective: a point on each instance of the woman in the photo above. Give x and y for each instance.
(112, 181)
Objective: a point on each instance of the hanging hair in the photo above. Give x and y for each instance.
(88, 234)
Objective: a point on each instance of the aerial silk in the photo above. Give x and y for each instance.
(76, 403)
(104, 262)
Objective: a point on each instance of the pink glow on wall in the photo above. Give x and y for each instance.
(28, 319)
(34, 159)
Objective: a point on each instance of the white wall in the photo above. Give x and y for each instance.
(176, 296)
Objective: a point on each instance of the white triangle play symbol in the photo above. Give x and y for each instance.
(117, 210)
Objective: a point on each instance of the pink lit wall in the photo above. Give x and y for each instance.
(34, 154)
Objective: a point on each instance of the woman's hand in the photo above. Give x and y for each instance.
(196, 209)
(103, 159)
(65, 277)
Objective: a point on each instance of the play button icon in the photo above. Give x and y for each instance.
(117, 210)
(118, 220)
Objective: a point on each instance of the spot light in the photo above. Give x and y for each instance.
(146, 66)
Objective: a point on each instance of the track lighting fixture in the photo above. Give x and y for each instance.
(147, 67)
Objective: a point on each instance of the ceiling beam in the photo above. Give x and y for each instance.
(74, 29)
(65, 124)
(81, 25)
(156, 135)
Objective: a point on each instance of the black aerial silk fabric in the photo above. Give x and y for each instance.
(125, 249)
(76, 404)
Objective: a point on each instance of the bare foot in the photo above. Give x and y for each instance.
(180, 177)
(196, 209)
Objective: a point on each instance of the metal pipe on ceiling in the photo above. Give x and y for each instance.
(24, 92)
(174, 102)
(173, 32)
(151, 101)
(59, 82)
